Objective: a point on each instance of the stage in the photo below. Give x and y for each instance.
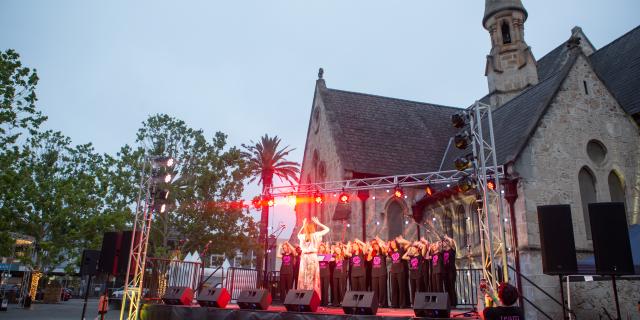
(275, 312)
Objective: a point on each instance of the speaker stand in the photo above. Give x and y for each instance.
(564, 309)
(86, 297)
(615, 296)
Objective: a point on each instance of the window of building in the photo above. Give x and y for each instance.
(447, 223)
(463, 235)
(596, 151)
(616, 189)
(475, 223)
(506, 33)
(586, 89)
(588, 195)
(395, 219)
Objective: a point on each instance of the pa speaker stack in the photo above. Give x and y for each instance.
(432, 305)
(178, 296)
(254, 299)
(360, 302)
(213, 297)
(302, 301)
(556, 240)
(610, 235)
(116, 248)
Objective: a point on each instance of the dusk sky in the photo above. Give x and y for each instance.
(247, 68)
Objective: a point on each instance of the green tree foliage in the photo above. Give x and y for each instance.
(205, 194)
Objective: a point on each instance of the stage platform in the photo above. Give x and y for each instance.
(275, 312)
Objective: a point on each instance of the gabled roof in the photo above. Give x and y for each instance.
(618, 65)
(377, 135)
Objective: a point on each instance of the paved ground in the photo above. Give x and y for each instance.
(71, 309)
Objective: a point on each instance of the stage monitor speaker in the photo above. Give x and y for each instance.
(556, 240)
(610, 235)
(178, 296)
(125, 251)
(360, 302)
(302, 301)
(110, 252)
(254, 299)
(213, 297)
(89, 263)
(432, 305)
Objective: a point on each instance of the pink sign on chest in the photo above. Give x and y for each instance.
(286, 260)
(395, 257)
(414, 263)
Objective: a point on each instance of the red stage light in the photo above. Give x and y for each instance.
(397, 192)
(270, 202)
(491, 184)
(344, 198)
(429, 191)
(317, 198)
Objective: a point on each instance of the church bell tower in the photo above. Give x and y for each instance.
(511, 66)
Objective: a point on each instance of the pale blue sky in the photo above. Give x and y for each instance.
(249, 67)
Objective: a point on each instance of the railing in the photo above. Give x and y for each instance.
(467, 284)
(239, 279)
(541, 290)
(162, 273)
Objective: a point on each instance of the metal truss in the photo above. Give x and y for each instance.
(409, 180)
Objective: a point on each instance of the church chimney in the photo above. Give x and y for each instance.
(511, 66)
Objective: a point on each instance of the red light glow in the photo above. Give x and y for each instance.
(491, 185)
(344, 198)
(428, 191)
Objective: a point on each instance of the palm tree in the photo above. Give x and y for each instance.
(265, 160)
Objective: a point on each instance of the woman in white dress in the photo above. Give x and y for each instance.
(309, 275)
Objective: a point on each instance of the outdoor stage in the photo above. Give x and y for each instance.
(277, 312)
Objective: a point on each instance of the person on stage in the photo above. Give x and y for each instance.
(339, 284)
(325, 273)
(287, 253)
(398, 272)
(426, 265)
(356, 263)
(437, 270)
(296, 267)
(309, 274)
(377, 255)
(449, 267)
(414, 257)
(508, 295)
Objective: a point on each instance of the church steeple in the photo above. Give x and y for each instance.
(511, 66)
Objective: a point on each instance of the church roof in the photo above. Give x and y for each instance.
(377, 135)
(618, 65)
(493, 6)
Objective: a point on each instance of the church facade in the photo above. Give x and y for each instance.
(567, 130)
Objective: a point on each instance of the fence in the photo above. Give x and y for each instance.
(162, 273)
(239, 279)
(467, 284)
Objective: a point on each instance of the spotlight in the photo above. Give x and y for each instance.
(397, 192)
(458, 120)
(161, 207)
(317, 198)
(428, 190)
(344, 198)
(491, 184)
(461, 140)
(374, 197)
(292, 200)
(256, 203)
(270, 202)
(462, 163)
(406, 222)
(465, 183)
(161, 178)
(377, 223)
(162, 194)
(434, 219)
(166, 162)
(348, 225)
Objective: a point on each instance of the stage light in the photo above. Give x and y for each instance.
(491, 184)
(317, 198)
(458, 120)
(397, 192)
(428, 190)
(406, 222)
(162, 194)
(462, 163)
(374, 197)
(387, 190)
(166, 162)
(270, 202)
(256, 202)
(377, 223)
(162, 208)
(461, 140)
(344, 198)
(434, 219)
(348, 225)
(465, 183)
(292, 200)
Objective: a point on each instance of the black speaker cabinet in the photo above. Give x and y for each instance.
(432, 305)
(556, 240)
(89, 263)
(302, 301)
(213, 297)
(610, 235)
(254, 299)
(125, 250)
(178, 296)
(360, 302)
(110, 252)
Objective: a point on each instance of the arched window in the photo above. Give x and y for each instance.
(463, 235)
(616, 189)
(475, 222)
(588, 195)
(506, 33)
(447, 223)
(394, 219)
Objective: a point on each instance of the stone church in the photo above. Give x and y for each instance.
(567, 132)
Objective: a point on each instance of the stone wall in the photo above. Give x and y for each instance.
(588, 299)
(549, 164)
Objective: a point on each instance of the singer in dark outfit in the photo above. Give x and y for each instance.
(339, 284)
(449, 267)
(356, 262)
(325, 275)
(377, 255)
(414, 257)
(426, 265)
(398, 273)
(296, 266)
(287, 253)
(437, 269)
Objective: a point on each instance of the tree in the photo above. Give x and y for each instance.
(265, 160)
(205, 193)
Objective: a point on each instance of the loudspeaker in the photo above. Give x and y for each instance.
(125, 250)
(89, 263)
(178, 296)
(254, 299)
(556, 240)
(360, 302)
(610, 235)
(302, 301)
(213, 297)
(432, 305)
(109, 252)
